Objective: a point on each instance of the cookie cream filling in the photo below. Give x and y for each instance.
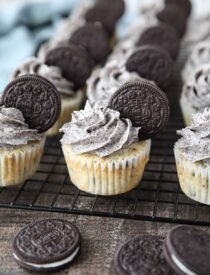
(98, 130)
(13, 129)
(197, 91)
(34, 66)
(181, 266)
(105, 82)
(195, 140)
(50, 265)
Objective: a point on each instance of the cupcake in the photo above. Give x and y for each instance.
(104, 82)
(195, 95)
(21, 148)
(200, 55)
(102, 151)
(192, 154)
(106, 147)
(70, 99)
(30, 105)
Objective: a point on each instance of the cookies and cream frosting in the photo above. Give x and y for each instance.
(98, 130)
(195, 140)
(200, 55)
(13, 129)
(103, 83)
(53, 74)
(197, 91)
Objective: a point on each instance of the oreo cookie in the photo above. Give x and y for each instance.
(101, 13)
(144, 104)
(74, 62)
(116, 7)
(36, 98)
(174, 16)
(141, 255)
(153, 63)
(47, 245)
(94, 39)
(187, 250)
(161, 35)
(184, 4)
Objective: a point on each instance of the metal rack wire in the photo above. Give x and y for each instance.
(157, 198)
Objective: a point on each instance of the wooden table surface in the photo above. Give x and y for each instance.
(100, 239)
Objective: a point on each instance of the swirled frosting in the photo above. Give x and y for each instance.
(195, 140)
(53, 74)
(105, 82)
(13, 129)
(197, 90)
(98, 130)
(200, 55)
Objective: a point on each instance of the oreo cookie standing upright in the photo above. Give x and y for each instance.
(153, 63)
(162, 35)
(187, 250)
(174, 16)
(116, 7)
(37, 99)
(94, 39)
(186, 5)
(47, 245)
(74, 62)
(144, 104)
(101, 13)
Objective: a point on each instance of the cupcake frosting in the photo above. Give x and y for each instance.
(200, 56)
(195, 140)
(13, 129)
(105, 82)
(197, 92)
(98, 130)
(53, 74)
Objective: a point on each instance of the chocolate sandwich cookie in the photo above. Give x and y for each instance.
(161, 35)
(144, 104)
(174, 16)
(153, 63)
(187, 250)
(184, 4)
(101, 14)
(74, 62)
(94, 39)
(142, 255)
(47, 245)
(37, 98)
(116, 7)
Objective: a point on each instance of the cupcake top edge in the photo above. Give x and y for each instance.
(195, 139)
(14, 131)
(98, 130)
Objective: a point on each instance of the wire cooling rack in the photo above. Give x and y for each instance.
(157, 198)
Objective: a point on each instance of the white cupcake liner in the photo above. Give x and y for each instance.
(115, 174)
(194, 178)
(19, 163)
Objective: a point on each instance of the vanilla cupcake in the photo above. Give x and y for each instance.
(102, 151)
(70, 99)
(104, 82)
(199, 56)
(21, 148)
(195, 95)
(192, 154)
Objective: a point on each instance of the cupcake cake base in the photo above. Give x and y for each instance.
(194, 178)
(111, 175)
(19, 163)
